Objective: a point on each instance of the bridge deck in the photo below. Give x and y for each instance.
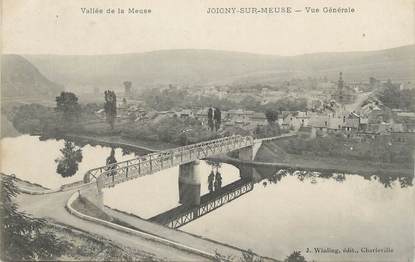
(119, 172)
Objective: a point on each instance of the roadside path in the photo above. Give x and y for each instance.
(53, 206)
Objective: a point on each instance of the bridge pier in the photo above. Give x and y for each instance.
(246, 153)
(189, 183)
(93, 193)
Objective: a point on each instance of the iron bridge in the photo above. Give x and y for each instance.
(113, 174)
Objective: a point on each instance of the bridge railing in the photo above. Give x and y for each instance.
(125, 170)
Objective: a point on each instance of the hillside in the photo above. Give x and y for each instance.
(219, 67)
(19, 78)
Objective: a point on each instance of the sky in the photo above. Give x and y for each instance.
(59, 27)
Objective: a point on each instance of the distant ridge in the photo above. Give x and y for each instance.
(191, 67)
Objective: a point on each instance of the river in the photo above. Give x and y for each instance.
(284, 212)
(32, 159)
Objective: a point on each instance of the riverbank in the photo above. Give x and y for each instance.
(150, 146)
(27, 186)
(139, 146)
(90, 247)
(6, 128)
(92, 136)
(272, 155)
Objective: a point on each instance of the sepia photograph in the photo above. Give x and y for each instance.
(246, 131)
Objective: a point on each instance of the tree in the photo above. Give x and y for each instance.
(22, 236)
(217, 118)
(68, 164)
(214, 118)
(67, 103)
(210, 118)
(110, 107)
(271, 116)
(127, 87)
(33, 118)
(295, 257)
(250, 256)
(393, 97)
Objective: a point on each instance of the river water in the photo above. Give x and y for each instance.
(33, 160)
(284, 212)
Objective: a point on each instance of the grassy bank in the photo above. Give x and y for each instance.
(272, 152)
(379, 149)
(83, 206)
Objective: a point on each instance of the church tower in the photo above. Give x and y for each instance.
(340, 95)
(340, 91)
(340, 83)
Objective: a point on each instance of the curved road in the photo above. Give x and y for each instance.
(53, 206)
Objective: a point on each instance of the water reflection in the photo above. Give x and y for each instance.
(215, 177)
(69, 161)
(214, 181)
(42, 168)
(211, 179)
(332, 210)
(218, 181)
(159, 192)
(184, 214)
(274, 175)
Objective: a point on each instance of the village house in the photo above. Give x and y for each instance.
(304, 117)
(319, 125)
(291, 122)
(135, 112)
(185, 113)
(397, 127)
(237, 115)
(364, 121)
(407, 119)
(351, 123)
(258, 119)
(147, 116)
(202, 116)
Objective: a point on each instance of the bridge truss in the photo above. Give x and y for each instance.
(119, 172)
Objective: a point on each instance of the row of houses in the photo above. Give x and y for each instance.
(341, 122)
(311, 123)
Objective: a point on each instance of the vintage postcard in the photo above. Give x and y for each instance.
(250, 131)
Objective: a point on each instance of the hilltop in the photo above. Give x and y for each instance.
(192, 67)
(20, 78)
